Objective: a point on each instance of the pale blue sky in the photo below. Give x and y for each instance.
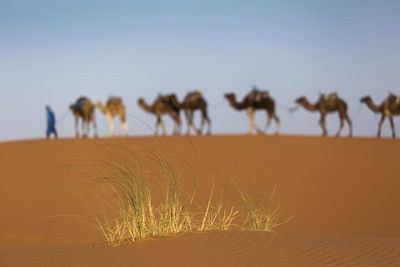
(52, 52)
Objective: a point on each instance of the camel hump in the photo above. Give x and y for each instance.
(265, 94)
(114, 101)
(170, 100)
(81, 102)
(197, 92)
(194, 96)
(170, 96)
(392, 99)
(330, 96)
(82, 99)
(257, 95)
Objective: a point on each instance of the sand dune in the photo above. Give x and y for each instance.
(220, 249)
(343, 195)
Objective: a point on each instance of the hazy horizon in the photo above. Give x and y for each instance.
(56, 51)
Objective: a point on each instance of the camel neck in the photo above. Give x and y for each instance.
(312, 107)
(235, 104)
(372, 106)
(101, 108)
(146, 107)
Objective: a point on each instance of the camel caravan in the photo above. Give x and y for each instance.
(83, 109)
(169, 105)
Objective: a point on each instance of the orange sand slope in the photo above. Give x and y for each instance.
(343, 194)
(219, 249)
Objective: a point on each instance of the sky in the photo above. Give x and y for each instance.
(53, 52)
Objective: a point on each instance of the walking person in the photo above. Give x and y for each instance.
(51, 123)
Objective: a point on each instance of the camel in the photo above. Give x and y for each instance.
(253, 101)
(83, 108)
(164, 104)
(114, 107)
(328, 103)
(192, 102)
(388, 108)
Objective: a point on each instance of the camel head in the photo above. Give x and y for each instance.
(365, 99)
(72, 107)
(230, 96)
(232, 101)
(99, 105)
(141, 101)
(301, 100)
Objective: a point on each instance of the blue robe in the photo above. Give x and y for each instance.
(51, 122)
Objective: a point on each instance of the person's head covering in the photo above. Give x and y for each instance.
(47, 107)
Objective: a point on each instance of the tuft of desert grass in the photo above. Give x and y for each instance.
(260, 216)
(126, 210)
(215, 216)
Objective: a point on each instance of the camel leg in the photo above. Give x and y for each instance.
(392, 126)
(76, 126)
(340, 127)
(84, 128)
(380, 125)
(121, 129)
(350, 125)
(111, 125)
(124, 127)
(158, 122)
(178, 124)
(277, 124)
(209, 126)
(175, 131)
(250, 114)
(188, 126)
(258, 130)
(174, 118)
(156, 129)
(94, 125)
(190, 116)
(202, 124)
(189, 121)
(323, 125)
(87, 124)
(197, 130)
(268, 123)
(204, 119)
(164, 131)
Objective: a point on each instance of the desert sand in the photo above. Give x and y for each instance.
(342, 194)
